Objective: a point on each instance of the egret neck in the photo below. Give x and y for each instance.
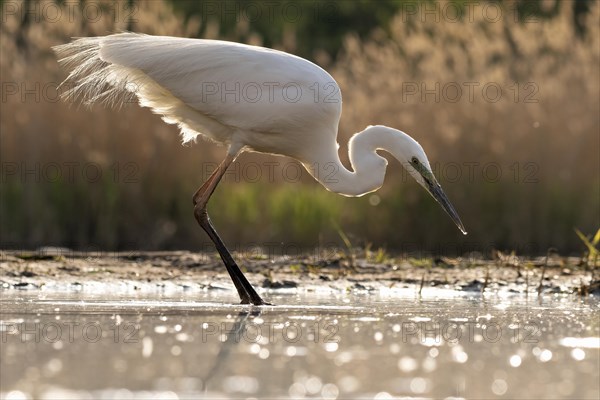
(368, 167)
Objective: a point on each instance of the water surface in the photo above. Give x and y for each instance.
(57, 344)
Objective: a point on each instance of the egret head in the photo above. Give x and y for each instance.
(416, 163)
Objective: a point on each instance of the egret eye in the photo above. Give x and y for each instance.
(414, 161)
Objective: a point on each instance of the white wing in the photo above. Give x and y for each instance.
(200, 84)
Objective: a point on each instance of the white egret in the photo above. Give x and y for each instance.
(249, 98)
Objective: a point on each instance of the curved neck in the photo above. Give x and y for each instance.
(368, 168)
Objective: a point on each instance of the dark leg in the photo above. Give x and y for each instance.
(201, 197)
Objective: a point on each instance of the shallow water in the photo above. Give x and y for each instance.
(194, 344)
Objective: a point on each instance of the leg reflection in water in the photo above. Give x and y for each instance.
(234, 336)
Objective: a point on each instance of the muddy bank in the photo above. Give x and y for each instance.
(361, 272)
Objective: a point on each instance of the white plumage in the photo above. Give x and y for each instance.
(176, 76)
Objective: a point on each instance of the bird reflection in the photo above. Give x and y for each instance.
(233, 338)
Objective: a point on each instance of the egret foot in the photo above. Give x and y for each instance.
(260, 303)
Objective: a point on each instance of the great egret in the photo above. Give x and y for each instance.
(250, 98)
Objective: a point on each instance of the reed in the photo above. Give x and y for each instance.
(522, 171)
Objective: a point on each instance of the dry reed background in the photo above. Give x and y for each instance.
(119, 179)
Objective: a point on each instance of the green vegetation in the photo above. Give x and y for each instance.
(303, 27)
(592, 246)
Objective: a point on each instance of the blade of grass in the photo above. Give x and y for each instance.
(591, 248)
(347, 243)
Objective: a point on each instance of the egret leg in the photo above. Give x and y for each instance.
(245, 290)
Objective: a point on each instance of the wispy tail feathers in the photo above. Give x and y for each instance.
(92, 79)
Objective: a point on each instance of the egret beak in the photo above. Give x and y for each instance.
(438, 194)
